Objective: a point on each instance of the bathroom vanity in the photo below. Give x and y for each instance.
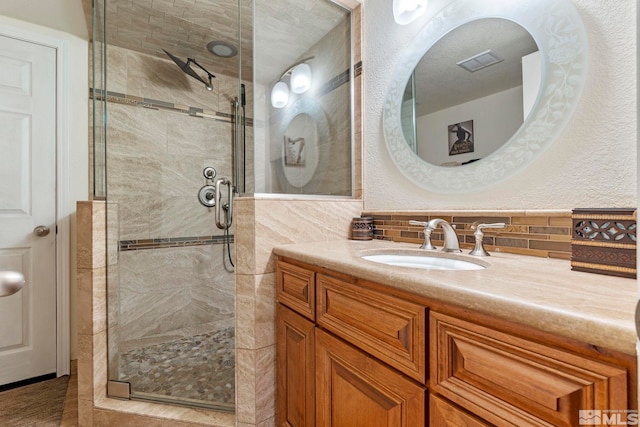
(522, 342)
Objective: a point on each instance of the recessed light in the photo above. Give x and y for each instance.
(222, 49)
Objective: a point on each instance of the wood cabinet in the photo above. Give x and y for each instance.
(389, 328)
(445, 414)
(359, 354)
(295, 348)
(512, 381)
(355, 390)
(295, 287)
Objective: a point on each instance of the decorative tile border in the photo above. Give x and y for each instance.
(537, 233)
(357, 69)
(604, 241)
(154, 104)
(340, 79)
(172, 242)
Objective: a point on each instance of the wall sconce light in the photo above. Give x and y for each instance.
(279, 95)
(300, 81)
(407, 11)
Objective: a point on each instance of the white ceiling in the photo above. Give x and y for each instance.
(286, 29)
(455, 85)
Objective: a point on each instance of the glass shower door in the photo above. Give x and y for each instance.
(171, 293)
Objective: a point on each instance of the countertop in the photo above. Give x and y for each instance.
(539, 292)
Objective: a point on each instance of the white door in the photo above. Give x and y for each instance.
(28, 200)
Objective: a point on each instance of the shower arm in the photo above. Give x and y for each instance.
(228, 206)
(209, 75)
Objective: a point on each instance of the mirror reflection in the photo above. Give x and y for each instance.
(471, 92)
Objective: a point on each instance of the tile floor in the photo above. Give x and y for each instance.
(196, 368)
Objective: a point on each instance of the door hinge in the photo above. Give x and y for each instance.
(119, 389)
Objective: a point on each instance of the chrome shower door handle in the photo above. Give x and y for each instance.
(41, 230)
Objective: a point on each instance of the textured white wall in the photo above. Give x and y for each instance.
(495, 118)
(591, 164)
(63, 15)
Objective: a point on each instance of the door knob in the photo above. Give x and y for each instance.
(41, 230)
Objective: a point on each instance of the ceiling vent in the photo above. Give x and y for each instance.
(480, 61)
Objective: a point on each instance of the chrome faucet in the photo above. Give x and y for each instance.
(451, 243)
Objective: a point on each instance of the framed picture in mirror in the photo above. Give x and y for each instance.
(460, 138)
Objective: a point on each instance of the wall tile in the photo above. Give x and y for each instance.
(103, 418)
(246, 386)
(170, 289)
(265, 383)
(245, 311)
(91, 300)
(245, 235)
(534, 233)
(292, 221)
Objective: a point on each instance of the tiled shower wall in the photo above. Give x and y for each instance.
(331, 75)
(163, 129)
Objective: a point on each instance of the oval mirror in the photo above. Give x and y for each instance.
(478, 102)
(301, 160)
(503, 139)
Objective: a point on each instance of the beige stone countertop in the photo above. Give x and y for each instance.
(539, 292)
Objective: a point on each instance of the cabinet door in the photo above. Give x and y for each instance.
(443, 413)
(295, 369)
(511, 381)
(355, 390)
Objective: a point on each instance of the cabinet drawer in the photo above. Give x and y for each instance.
(389, 328)
(511, 381)
(295, 288)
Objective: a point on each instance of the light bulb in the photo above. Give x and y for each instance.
(279, 95)
(406, 11)
(301, 78)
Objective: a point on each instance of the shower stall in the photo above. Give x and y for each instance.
(182, 123)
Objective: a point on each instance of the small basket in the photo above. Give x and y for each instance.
(362, 228)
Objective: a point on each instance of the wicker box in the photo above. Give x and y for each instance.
(603, 241)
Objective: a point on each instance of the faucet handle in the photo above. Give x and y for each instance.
(477, 226)
(479, 249)
(414, 222)
(427, 234)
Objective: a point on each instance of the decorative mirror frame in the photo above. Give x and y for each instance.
(559, 32)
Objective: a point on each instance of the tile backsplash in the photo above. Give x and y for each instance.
(537, 233)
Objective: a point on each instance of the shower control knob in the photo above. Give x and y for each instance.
(209, 172)
(207, 196)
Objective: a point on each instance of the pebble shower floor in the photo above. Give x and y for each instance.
(197, 368)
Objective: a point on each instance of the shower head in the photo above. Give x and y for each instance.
(186, 68)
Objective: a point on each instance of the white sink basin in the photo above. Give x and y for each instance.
(426, 262)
